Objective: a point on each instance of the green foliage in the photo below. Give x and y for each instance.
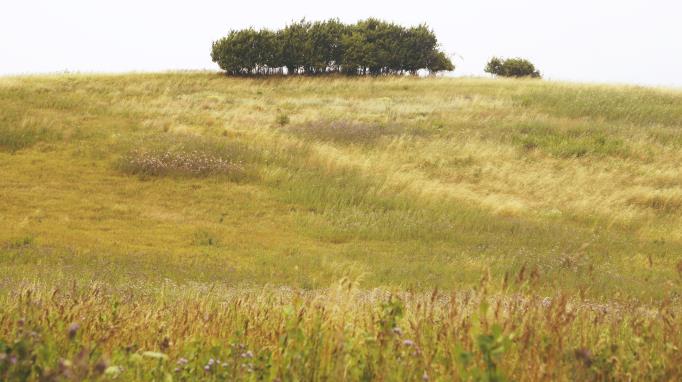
(512, 67)
(492, 346)
(371, 47)
(16, 360)
(440, 63)
(567, 141)
(16, 136)
(248, 52)
(295, 45)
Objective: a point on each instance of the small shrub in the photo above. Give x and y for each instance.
(513, 67)
(204, 238)
(282, 119)
(193, 163)
(187, 156)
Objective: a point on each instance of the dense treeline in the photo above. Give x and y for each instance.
(370, 47)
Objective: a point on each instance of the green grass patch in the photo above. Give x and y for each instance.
(20, 134)
(567, 141)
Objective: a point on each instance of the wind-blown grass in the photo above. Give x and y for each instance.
(190, 332)
(16, 135)
(182, 206)
(345, 132)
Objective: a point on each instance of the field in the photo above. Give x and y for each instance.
(187, 226)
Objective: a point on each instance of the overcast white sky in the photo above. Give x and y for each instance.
(624, 41)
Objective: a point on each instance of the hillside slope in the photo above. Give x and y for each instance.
(135, 188)
(413, 182)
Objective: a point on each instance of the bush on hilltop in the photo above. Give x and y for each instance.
(512, 67)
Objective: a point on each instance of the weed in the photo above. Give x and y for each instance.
(204, 238)
(22, 242)
(282, 119)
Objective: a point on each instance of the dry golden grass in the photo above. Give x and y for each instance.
(136, 183)
(196, 332)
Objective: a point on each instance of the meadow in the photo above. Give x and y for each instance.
(193, 226)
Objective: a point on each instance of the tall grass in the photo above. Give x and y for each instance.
(343, 333)
(16, 135)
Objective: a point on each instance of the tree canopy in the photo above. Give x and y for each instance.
(369, 47)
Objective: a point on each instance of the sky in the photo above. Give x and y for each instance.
(605, 41)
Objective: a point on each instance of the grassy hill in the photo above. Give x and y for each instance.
(303, 220)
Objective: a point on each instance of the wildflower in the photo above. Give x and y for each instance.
(73, 330)
(100, 367)
(425, 376)
(165, 343)
(182, 361)
(247, 354)
(408, 343)
(153, 354)
(397, 331)
(248, 367)
(584, 355)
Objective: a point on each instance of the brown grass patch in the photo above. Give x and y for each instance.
(347, 132)
(665, 202)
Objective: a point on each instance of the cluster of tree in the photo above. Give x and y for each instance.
(370, 47)
(512, 67)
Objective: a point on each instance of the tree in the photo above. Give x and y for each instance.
(440, 62)
(268, 57)
(370, 46)
(233, 52)
(513, 67)
(296, 47)
(326, 47)
(354, 53)
(494, 67)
